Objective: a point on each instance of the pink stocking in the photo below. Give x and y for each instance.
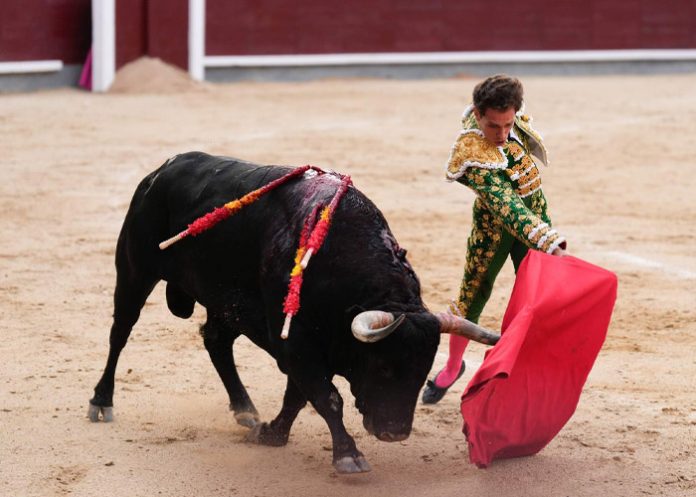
(457, 346)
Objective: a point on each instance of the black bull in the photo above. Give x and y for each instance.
(239, 271)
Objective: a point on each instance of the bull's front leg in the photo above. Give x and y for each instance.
(277, 432)
(346, 456)
(314, 381)
(329, 404)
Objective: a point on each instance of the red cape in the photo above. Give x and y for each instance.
(529, 384)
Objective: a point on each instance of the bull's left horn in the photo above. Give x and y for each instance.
(454, 325)
(372, 326)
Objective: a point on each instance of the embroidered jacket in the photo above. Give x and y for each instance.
(506, 179)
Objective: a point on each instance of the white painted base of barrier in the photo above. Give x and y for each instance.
(521, 56)
(31, 66)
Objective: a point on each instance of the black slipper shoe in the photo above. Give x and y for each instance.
(432, 394)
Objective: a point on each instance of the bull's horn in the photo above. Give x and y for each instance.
(454, 325)
(372, 326)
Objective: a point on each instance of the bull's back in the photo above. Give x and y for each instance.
(254, 248)
(167, 200)
(192, 184)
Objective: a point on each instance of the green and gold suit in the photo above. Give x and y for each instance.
(510, 211)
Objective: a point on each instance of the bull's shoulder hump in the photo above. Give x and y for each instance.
(202, 160)
(199, 166)
(203, 174)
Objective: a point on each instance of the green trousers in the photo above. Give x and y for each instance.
(488, 247)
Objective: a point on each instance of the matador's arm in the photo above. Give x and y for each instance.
(495, 191)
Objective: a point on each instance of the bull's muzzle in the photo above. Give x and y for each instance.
(391, 437)
(390, 434)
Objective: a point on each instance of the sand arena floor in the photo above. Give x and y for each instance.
(621, 188)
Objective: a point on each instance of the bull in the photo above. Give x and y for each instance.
(362, 316)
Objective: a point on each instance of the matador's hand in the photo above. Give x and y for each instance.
(559, 252)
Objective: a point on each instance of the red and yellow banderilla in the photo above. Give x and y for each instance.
(311, 238)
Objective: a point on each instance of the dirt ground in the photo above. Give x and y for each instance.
(621, 189)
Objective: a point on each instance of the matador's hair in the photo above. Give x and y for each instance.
(498, 92)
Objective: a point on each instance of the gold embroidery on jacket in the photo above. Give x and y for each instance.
(515, 150)
(529, 188)
(473, 150)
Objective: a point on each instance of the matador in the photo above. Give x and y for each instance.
(510, 210)
(509, 218)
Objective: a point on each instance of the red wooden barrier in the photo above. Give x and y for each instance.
(61, 29)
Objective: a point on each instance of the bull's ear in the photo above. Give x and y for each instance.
(373, 326)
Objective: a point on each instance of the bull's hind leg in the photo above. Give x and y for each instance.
(218, 340)
(129, 298)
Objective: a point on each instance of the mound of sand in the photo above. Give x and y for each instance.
(152, 75)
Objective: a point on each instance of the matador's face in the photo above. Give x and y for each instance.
(496, 124)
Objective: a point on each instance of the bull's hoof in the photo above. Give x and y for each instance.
(245, 415)
(352, 465)
(254, 434)
(95, 413)
(248, 419)
(263, 434)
